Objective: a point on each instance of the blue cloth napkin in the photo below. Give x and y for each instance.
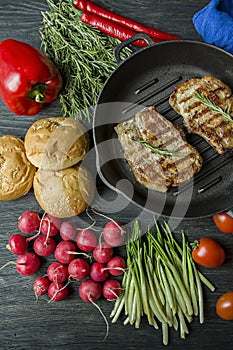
(215, 23)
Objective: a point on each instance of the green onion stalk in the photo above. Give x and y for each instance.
(161, 281)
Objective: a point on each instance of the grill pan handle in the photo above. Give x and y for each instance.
(128, 42)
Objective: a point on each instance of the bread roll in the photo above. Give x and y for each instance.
(16, 172)
(64, 193)
(56, 143)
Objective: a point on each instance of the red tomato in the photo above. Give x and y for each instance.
(224, 222)
(224, 306)
(207, 252)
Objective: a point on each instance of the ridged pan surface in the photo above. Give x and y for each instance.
(148, 77)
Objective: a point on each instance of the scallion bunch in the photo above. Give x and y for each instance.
(162, 282)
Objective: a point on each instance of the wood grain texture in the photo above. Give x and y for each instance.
(72, 324)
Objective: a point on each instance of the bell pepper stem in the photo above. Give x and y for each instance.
(37, 93)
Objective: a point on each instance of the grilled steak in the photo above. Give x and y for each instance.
(200, 119)
(154, 170)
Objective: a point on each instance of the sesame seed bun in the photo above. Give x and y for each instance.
(64, 193)
(16, 172)
(56, 143)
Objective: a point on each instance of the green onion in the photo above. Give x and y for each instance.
(167, 288)
(193, 289)
(161, 282)
(206, 282)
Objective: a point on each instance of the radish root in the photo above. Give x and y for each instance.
(80, 253)
(90, 226)
(39, 230)
(108, 218)
(8, 263)
(115, 268)
(57, 291)
(102, 314)
(115, 294)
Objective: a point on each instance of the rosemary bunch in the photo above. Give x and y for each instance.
(83, 55)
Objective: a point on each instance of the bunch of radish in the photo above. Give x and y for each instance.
(79, 256)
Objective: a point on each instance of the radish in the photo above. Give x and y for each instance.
(103, 252)
(113, 233)
(57, 272)
(116, 266)
(78, 269)
(86, 240)
(17, 244)
(65, 252)
(67, 231)
(90, 291)
(98, 272)
(27, 264)
(44, 246)
(111, 289)
(41, 285)
(29, 222)
(57, 291)
(50, 225)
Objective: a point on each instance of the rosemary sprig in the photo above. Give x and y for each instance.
(83, 55)
(158, 150)
(213, 107)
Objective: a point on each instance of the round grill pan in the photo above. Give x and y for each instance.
(148, 77)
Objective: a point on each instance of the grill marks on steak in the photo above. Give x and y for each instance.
(198, 118)
(153, 170)
(144, 163)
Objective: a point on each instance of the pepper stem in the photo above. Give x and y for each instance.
(37, 93)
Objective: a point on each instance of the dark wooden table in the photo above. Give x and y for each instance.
(72, 324)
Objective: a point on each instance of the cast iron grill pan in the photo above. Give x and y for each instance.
(147, 78)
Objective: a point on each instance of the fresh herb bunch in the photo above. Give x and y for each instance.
(83, 55)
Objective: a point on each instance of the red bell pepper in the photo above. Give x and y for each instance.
(28, 79)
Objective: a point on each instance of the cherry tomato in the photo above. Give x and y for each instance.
(224, 222)
(224, 306)
(207, 252)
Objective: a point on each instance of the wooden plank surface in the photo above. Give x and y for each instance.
(72, 324)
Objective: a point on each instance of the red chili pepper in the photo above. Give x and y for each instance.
(94, 8)
(28, 79)
(112, 29)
